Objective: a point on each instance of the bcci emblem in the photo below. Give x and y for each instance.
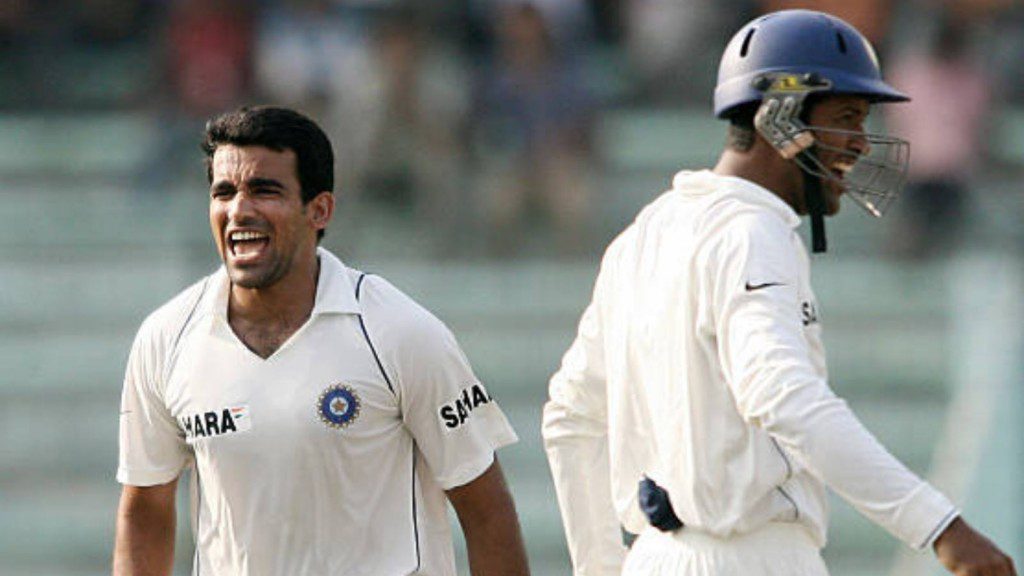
(338, 406)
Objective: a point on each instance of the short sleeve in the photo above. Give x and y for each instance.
(455, 420)
(452, 416)
(151, 449)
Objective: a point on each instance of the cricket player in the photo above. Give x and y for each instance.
(693, 408)
(326, 418)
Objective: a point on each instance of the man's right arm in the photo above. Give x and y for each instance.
(575, 432)
(144, 541)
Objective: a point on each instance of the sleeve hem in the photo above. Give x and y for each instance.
(940, 528)
(136, 477)
(467, 473)
(473, 468)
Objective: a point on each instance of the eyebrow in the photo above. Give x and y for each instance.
(257, 182)
(853, 108)
(263, 183)
(223, 185)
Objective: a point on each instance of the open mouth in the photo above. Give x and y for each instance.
(247, 244)
(842, 168)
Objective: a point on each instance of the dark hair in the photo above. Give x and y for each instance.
(741, 128)
(278, 129)
(741, 121)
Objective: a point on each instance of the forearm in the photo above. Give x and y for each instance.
(144, 539)
(495, 545)
(577, 452)
(831, 441)
(489, 522)
(770, 368)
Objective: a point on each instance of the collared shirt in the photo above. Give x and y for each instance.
(328, 457)
(699, 363)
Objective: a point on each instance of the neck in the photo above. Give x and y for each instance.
(766, 169)
(290, 300)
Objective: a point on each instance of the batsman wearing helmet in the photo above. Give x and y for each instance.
(693, 408)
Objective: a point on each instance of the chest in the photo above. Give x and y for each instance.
(263, 339)
(322, 389)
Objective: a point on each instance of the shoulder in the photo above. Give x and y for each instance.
(749, 238)
(735, 221)
(160, 331)
(167, 321)
(396, 319)
(413, 344)
(657, 215)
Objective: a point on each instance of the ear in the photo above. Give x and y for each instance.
(320, 210)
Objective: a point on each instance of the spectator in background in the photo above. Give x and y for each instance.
(535, 128)
(609, 22)
(109, 60)
(16, 31)
(110, 22)
(945, 119)
(394, 99)
(671, 44)
(75, 55)
(206, 57)
(314, 56)
(1003, 46)
(14, 22)
(871, 17)
(416, 149)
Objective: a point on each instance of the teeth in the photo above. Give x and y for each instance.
(243, 236)
(843, 167)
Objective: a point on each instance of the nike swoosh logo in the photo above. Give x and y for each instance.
(751, 287)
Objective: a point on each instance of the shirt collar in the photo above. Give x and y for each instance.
(708, 181)
(335, 292)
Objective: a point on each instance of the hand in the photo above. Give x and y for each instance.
(965, 552)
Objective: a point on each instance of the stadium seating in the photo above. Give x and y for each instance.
(82, 261)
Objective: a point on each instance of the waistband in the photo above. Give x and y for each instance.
(775, 549)
(770, 535)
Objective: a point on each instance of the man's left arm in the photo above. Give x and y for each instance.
(490, 524)
(454, 421)
(768, 365)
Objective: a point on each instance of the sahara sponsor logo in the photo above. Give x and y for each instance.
(230, 420)
(455, 413)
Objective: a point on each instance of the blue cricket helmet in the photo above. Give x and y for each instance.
(799, 42)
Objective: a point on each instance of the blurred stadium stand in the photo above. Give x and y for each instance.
(928, 352)
(84, 261)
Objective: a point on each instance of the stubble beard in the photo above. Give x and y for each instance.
(261, 277)
(834, 197)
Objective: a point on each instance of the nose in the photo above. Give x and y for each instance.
(859, 144)
(240, 208)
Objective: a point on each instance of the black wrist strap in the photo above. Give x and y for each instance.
(654, 503)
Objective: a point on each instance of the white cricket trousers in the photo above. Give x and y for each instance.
(777, 549)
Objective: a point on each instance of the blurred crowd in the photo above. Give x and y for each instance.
(481, 114)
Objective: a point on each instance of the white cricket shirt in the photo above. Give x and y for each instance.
(699, 363)
(328, 457)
